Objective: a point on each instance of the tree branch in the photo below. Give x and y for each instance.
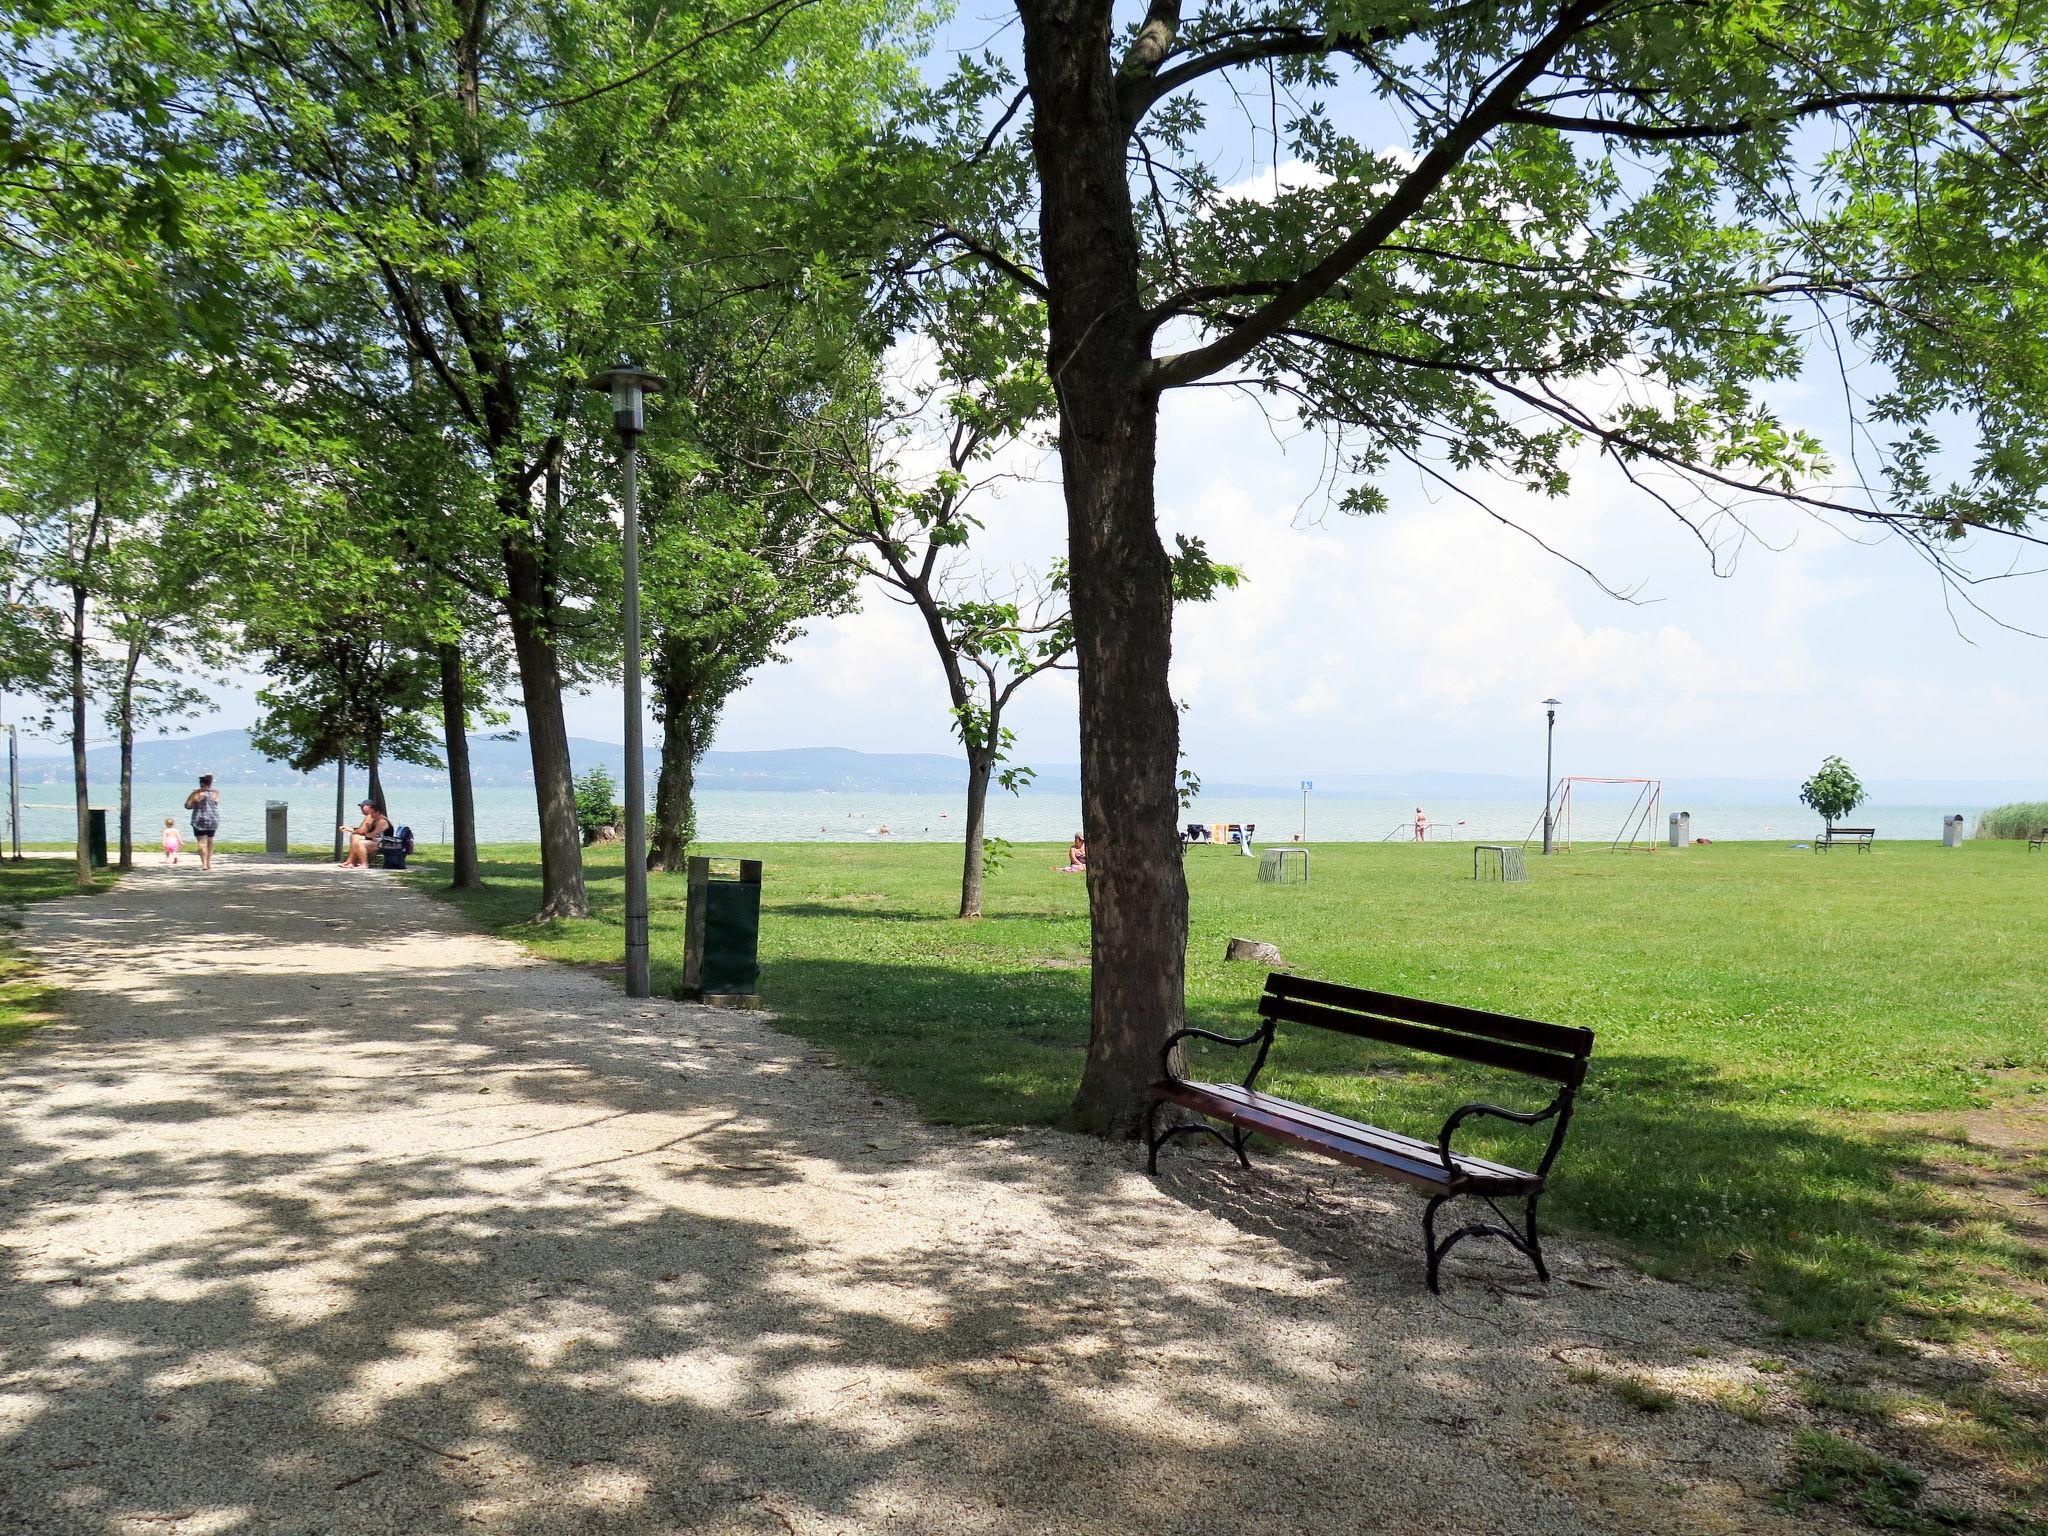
(1403, 203)
(1625, 128)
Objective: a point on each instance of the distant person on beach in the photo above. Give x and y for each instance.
(204, 804)
(172, 842)
(1421, 826)
(1077, 856)
(365, 835)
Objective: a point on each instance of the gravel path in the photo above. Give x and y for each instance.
(320, 1212)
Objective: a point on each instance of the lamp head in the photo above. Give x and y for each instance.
(628, 384)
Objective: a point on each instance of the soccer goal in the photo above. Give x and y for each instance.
(1577, 797)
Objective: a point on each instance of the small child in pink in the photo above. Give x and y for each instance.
(172, 842)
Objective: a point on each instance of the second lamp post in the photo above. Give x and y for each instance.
(1549, 732)
(628, 384)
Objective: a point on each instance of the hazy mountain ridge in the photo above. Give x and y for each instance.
(501, 761)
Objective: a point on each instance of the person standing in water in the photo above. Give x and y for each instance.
(1421, 826)
(204, 804)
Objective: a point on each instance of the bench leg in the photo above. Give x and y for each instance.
(1526, 1240)
(1155, 1139)
(1535, 1248)
(1436, 1254)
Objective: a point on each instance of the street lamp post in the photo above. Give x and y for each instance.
(628, 384)
(14, 789)
(1549, 735)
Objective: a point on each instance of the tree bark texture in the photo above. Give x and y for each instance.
(547, 736)
(375, 751)
(675, 785)
(465, 875)
(1121, 578)
(980, 765)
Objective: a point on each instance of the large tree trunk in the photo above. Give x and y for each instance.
(980, 764)
(79, 789)
(466, 875)
(547, 737)
(675, 785)
(126, 711)
(1121, 579)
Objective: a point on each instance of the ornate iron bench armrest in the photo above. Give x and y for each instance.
(1263, 1034)
(1559, 1107)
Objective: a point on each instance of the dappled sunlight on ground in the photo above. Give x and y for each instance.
(321, 1214)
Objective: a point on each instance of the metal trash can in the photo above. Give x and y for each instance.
(722, 935)
(1951, 831)
(96, 836)
(1681, 829)
(275, 838)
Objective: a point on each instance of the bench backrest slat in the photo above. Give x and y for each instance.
(1416, 1010)
(1554, 1051)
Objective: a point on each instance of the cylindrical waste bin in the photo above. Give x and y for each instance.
(1951, 831)
(275, 839)
(722, 935)
(96, 836)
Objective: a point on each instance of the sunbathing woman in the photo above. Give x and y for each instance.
(365, 836)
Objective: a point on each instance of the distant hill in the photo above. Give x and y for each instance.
(501, 761)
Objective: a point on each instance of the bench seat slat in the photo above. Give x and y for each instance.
(1437, 1042)
(1402, 1157)
(1570, 1039)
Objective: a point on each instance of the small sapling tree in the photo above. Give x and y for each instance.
(1833, 792)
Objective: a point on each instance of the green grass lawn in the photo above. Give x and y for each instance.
(24, 1002)
(1788, 1043)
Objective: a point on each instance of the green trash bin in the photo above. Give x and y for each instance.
(96, 836)
(722, 935)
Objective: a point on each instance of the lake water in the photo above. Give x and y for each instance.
(506, 815)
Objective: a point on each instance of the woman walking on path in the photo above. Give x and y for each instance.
(204, 804)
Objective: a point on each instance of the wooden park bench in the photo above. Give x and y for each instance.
(1554, 1052)
(2034, 843)
(1860, 836)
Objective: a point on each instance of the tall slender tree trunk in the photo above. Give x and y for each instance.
(79, 789)
(675, 796)
(981, 763)
(466, 875)
(126, 712)
(1100, 359)
(675, 784)
(340, 805)
(374, 749)
(547, 737)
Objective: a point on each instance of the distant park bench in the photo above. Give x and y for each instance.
(1234, 834)
(1555, 1052)
(1860, 836)
(2037, 840)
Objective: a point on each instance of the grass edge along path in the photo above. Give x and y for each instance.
(25, 1000)
(1791, 1050)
